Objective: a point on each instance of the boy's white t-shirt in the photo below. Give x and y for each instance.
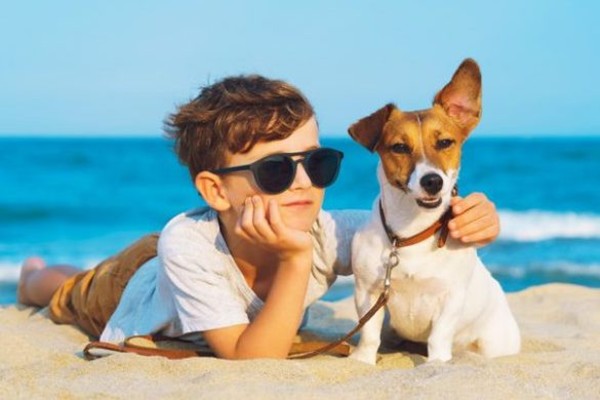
(193, 285)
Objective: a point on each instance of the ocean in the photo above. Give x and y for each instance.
(79, 200)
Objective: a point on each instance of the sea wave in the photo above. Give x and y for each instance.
(554, 269)
(10, 271)
(532, 226)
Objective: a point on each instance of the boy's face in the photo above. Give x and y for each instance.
(300, 204)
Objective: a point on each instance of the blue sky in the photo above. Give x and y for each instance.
(119, 67)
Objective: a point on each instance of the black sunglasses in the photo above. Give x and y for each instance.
(275, 173)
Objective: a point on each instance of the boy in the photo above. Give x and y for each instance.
(239, 274)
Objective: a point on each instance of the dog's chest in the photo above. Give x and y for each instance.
(414, 303)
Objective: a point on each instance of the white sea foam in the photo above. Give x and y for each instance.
(10, 271)
(533, 226)
(557, 268)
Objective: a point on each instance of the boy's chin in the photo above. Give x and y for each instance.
(302, 222)
(304, 226)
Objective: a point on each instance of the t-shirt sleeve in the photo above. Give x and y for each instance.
(338, 228)
(194, 274)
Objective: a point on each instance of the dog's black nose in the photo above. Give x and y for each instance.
(432, 183)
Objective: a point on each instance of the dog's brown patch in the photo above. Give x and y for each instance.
(442, 139)
(400, 147)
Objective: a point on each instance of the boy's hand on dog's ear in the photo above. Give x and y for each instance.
(475, 219)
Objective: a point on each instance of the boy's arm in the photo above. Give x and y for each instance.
(271, 333)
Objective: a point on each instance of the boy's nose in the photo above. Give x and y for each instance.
(301, 180)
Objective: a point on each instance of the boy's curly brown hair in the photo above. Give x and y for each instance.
(233, 115)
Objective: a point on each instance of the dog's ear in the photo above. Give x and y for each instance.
(461, 97)
(367, 131)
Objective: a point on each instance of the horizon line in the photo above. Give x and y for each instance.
(48, 135)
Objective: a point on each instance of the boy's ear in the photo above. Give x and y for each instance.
(368, 130)
(211, 189)
(461, 97)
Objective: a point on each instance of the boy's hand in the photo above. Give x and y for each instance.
(476, 220)
(265, 228)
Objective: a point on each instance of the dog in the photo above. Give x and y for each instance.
(444, 297)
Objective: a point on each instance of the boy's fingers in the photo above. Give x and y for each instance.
(246, 219)
(275, 218)
(472, 208)
(260, 223)
(460, 205)
(478, 224)
(455, 200)
(481, 237)
(470, 226)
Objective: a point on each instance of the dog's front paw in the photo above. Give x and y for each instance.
(442, 356)
(364, 355)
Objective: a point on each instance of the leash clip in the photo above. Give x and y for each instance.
(393, 260)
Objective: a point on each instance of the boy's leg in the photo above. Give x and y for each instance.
(37, 284)
(89, 298)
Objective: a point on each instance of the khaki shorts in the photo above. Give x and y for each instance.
(89, 298)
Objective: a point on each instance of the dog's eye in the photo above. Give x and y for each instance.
(444, 144)
(400, 148)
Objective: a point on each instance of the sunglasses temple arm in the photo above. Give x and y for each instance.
(230, 169)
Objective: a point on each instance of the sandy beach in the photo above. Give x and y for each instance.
(560, 359)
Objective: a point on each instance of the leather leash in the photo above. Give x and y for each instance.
(175, 349)
(148, 345)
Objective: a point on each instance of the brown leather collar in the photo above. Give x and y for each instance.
(439, 225)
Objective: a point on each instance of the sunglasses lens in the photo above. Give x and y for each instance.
(322, 166)
(275, 174)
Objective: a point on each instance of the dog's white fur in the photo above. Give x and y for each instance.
(444, 297)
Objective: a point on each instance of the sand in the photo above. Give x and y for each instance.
(560, 359)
